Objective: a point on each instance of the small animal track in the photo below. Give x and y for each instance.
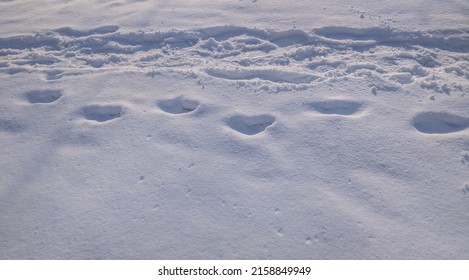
(178, 105)
(43, 96)
(250, 125)
(439, 123)
(336, 107)
(102, 113)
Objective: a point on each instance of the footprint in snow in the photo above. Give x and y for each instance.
(250, 125)
(43, 96)
(336, 107)
(178, 105)
(11, 126)
(439, 122)
(102, 113)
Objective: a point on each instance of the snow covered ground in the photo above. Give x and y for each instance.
(234, 130)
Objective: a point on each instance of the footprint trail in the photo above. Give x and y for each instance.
(277, 60)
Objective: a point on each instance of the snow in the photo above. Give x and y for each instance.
(234, 130)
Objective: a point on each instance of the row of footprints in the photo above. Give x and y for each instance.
(425, 122)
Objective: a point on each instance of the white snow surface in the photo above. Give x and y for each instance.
(135, 129)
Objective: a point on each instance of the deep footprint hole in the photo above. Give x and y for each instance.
(178, 105)
(43, 96)
(250, 125)
(102, 113)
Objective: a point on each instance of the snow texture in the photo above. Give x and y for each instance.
(138, 129)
